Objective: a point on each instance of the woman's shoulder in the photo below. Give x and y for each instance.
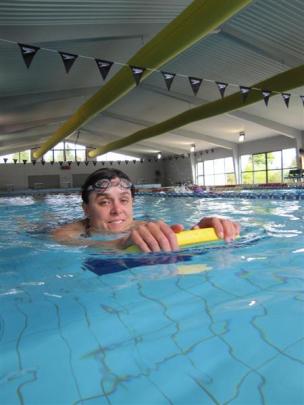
(68, 231)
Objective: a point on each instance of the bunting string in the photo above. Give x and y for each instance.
(66, 165)
(104, 66)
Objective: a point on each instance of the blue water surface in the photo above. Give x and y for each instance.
(211, 324)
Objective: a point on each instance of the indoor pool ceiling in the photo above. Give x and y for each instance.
(262, 40)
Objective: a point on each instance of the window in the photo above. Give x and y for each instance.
(267, 167)
(274, 167)
(113, 156)
(289, 160)
(217, 172)
(59, 155)
(49, 156)
(259, 168)
(65, 152)
(19, 156)
(200, 174)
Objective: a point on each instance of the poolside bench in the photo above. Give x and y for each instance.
(295, 174)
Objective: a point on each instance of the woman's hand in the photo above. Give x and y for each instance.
(154, 236)
(224, 228)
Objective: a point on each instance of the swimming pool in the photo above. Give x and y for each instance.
(212, 324)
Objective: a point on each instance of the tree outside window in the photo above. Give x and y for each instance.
(267, 167)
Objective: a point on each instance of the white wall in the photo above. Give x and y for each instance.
(17, 174)
(177, 171)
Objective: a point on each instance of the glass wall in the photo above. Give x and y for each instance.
(113, 156)
(267, 167)
(19, 157)
(216, 172)
(66, 152)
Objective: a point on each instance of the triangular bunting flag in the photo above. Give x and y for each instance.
(302, 98)
(137, 73)
(266, 95)
(169, 77)
(222, 87)
(68, 60)
(244, 92)
(286, 98)
(195, 83)
(104, 67)
(28, 53)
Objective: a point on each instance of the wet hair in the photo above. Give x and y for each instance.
(104, 173)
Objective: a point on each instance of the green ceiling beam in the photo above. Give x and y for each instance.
(280, 83)
(195, 22)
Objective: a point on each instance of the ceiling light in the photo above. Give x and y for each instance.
(159, 155)
(192, 148)
(242, 136)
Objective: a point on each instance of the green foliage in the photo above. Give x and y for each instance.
(20, 156)
(230, 179)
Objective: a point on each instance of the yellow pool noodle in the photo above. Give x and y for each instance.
(190, 237)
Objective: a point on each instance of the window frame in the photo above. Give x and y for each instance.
(253, 173)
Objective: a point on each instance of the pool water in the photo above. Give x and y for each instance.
(211, 324)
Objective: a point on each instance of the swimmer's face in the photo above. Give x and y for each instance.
(111, 209)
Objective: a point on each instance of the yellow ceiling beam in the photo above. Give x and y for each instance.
(280, 83)
(195, 22)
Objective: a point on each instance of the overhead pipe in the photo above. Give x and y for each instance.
(195, 22)
(282, 82)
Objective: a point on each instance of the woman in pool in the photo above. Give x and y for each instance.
(107, 197)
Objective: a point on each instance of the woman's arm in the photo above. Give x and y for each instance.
(153, 236)
(72, 235)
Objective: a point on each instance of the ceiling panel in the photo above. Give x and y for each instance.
(264, 39)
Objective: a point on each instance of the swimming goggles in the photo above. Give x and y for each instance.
(103, 184)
